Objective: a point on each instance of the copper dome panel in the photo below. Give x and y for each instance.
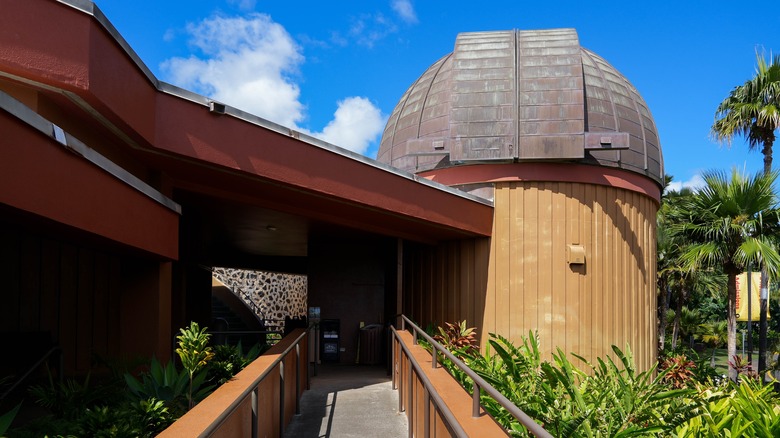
(519, 96)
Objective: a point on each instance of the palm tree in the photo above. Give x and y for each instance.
(673, 279)
(688, 322)
(728, 222)
(713, 334)
(752, 110)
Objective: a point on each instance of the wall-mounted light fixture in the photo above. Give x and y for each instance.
(575, 254)
(216, 107)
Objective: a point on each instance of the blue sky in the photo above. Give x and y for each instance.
(337, 69)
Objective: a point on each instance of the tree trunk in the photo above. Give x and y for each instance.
(767, 151)
(762, 325)
(677, 319)
(662, 317)
(731, 321)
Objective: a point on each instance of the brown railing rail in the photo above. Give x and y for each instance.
(258, 401)
(451, 422)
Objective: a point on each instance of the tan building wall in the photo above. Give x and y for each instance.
(528, 284)
(609, 300)
(447, 282)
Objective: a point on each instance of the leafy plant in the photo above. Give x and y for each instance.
(609, 399)
(194, 352)
(166, 384)
(517, 373)
(151, 416)
(678, 371)
(8, 418)
(457, 338)
(103, 422)
(743, 367)
(228, 360)
(748, 409)
(67, 399)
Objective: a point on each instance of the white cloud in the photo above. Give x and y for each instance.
(368, 29)
(695, 183)
(356, 123)
(252, 63)
(244, 5)
(249, 63)
(405, 10)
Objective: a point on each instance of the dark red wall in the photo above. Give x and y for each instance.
(98, 304)
(348, 280)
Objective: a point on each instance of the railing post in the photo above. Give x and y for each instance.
(393, 363)
(310, 359)
(434, 357)
(475, 400)
(427, 414)
(401, 392)
(410, 403)
(281, 398)
(254, 412)
(298, 378)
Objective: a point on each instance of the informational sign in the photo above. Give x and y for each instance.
(314, 315)
(755, 293)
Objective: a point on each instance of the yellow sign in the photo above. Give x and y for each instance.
(742, 297)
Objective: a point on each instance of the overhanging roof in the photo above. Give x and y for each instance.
(252, 165)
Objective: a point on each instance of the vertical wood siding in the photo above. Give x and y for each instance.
(70, 292)
(610, 300)
(520, 281)
(446, 283)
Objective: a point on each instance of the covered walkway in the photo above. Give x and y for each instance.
(349, 401)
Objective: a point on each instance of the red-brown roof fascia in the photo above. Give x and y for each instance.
(82, 56)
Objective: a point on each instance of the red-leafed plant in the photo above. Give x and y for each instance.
(743, 367)
(457, 338)
(679, 371)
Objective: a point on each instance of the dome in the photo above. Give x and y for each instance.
(521, 96)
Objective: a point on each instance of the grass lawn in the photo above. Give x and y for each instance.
(721, 358)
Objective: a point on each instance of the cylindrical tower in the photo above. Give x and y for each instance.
(568, 151)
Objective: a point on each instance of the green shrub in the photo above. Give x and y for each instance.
(151, 417)
(168, 385)
(148, 404)
(750, 409)
(610, 399)
(228, 360)
(68, 399)
(7, 418)
(194, 352)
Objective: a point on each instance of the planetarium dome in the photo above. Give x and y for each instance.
(522, 97)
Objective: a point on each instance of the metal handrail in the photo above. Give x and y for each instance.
(251, 389)
(452, 423)
(245, 332)
(479, 384)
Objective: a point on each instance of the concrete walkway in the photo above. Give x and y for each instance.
(349, 401)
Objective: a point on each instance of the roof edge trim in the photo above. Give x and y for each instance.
(551, 172)
(90, 8)
(76, 146)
